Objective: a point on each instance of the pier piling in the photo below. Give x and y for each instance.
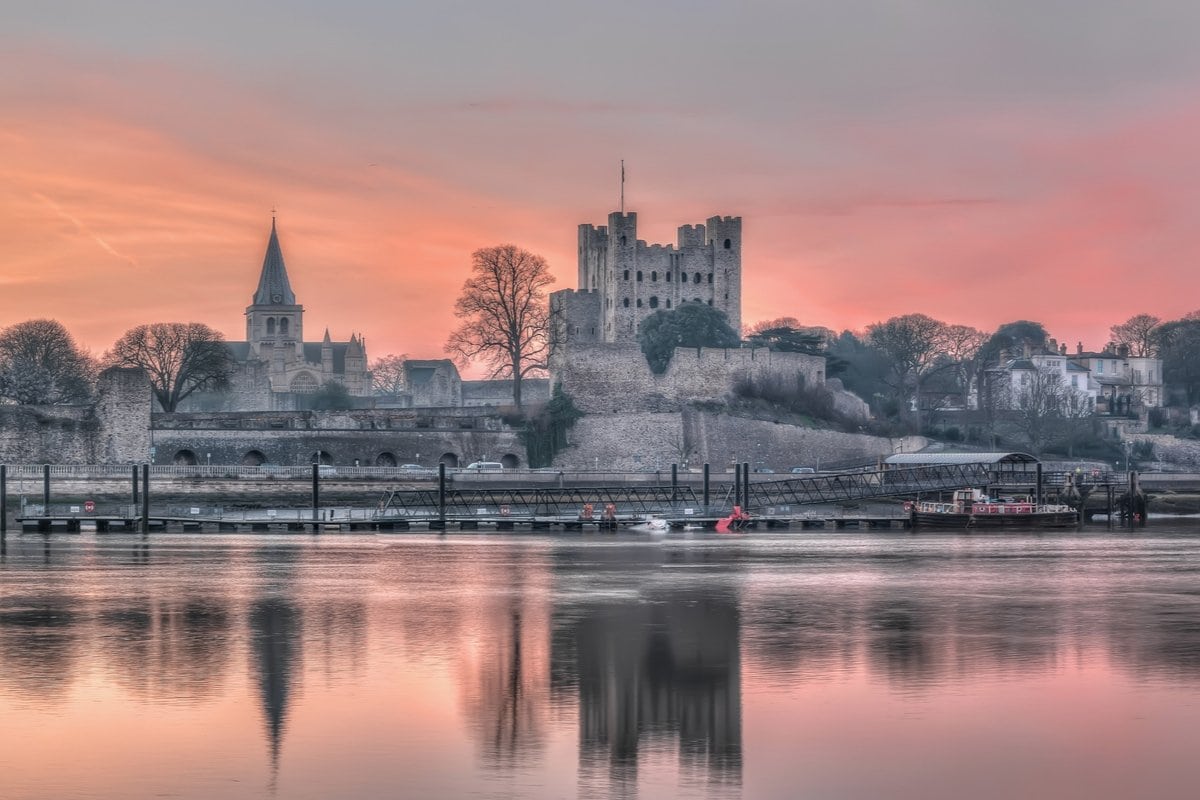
(316, 494)
(46, 488)
(442, 495)
(3, 499)
(145, 498)
(706, 489)
(674, 482)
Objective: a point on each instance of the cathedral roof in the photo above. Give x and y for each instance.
(273, 286)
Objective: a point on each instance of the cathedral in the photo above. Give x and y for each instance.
(276, 369)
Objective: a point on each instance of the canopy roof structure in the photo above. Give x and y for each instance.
(931, 459)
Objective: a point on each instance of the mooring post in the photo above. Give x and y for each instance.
(316, 493)
(737, 484)
(135, 488)
(442, 495)
(45, 490)
(1038, 492)
(706, 489)
(145, 498)
(3, 499)
(674, 482)
(745, 486)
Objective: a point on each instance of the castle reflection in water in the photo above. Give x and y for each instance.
(645, 649)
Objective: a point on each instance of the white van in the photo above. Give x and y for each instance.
(485, 466)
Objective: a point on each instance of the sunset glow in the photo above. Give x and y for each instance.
(142, 157)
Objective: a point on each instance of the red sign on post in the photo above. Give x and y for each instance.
(89, 506)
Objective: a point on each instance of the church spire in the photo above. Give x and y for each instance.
(273, 286)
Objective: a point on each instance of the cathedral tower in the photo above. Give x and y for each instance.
(274, 318)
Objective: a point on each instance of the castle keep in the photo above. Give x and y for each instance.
(623, 280)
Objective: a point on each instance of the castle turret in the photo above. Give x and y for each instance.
(327, 355)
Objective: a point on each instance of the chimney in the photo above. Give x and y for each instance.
(1053, 345)
(1079, 348)
(1062, 349)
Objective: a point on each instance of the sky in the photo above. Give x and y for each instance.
(979, 162)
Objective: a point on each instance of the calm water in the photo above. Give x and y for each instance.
(812, 665)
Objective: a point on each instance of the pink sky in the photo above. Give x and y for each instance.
(905, 167)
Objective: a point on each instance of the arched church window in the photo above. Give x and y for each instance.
(639, 302)
(270, 326)
(683, 277)
(304, 383)
(283, 325)
(697, 278)
(728, 244)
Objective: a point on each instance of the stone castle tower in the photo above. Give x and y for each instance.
(623, 280)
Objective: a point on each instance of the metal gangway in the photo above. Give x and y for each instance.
(568, 502)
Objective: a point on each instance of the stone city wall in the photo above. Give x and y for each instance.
(645, 440)
(606, 378)
(368, 437)
(113, 430)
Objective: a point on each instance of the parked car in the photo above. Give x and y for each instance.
(326, 470)
(416, 468)
(803, 470)
(485, 466)
(764, 470)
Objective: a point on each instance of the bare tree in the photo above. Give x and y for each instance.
(1137, 333)
(387, 375)
(505, 315)
(912, 343)
(1039, 403)
(180, 358)
(40, 364)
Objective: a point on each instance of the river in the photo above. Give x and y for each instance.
(811, 664)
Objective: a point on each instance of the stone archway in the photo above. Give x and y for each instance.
(253, 458)
(385, 460)
(510, 461)
(323, 458)
(184, 458)
(449, 459)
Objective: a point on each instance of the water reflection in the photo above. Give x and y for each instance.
(654, 670)
(275, 625)
(39, 646)
(630, 665)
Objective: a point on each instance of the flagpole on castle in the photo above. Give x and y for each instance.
(622, 187)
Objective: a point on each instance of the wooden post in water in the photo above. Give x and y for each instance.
(674, 482)
(3, 499)
(145, 498)
(442, 495)
(135, 488)
(316, 493)
(706, 489)
(45, 490)
(737, 484)
(745, 486)
(1038, 493)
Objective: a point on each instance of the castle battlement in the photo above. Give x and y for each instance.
(633, 278)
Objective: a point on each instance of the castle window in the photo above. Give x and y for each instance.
(683, 277)
(622, 241)
(710, 277)
(639, 276)
(626, 274)
(283, 327)
(668, 277)
(270, 326)
(697, 278)
(728, 244)
(639, 302)
(654, 302)
(654, 276)
(668, 302)
(625, 302)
